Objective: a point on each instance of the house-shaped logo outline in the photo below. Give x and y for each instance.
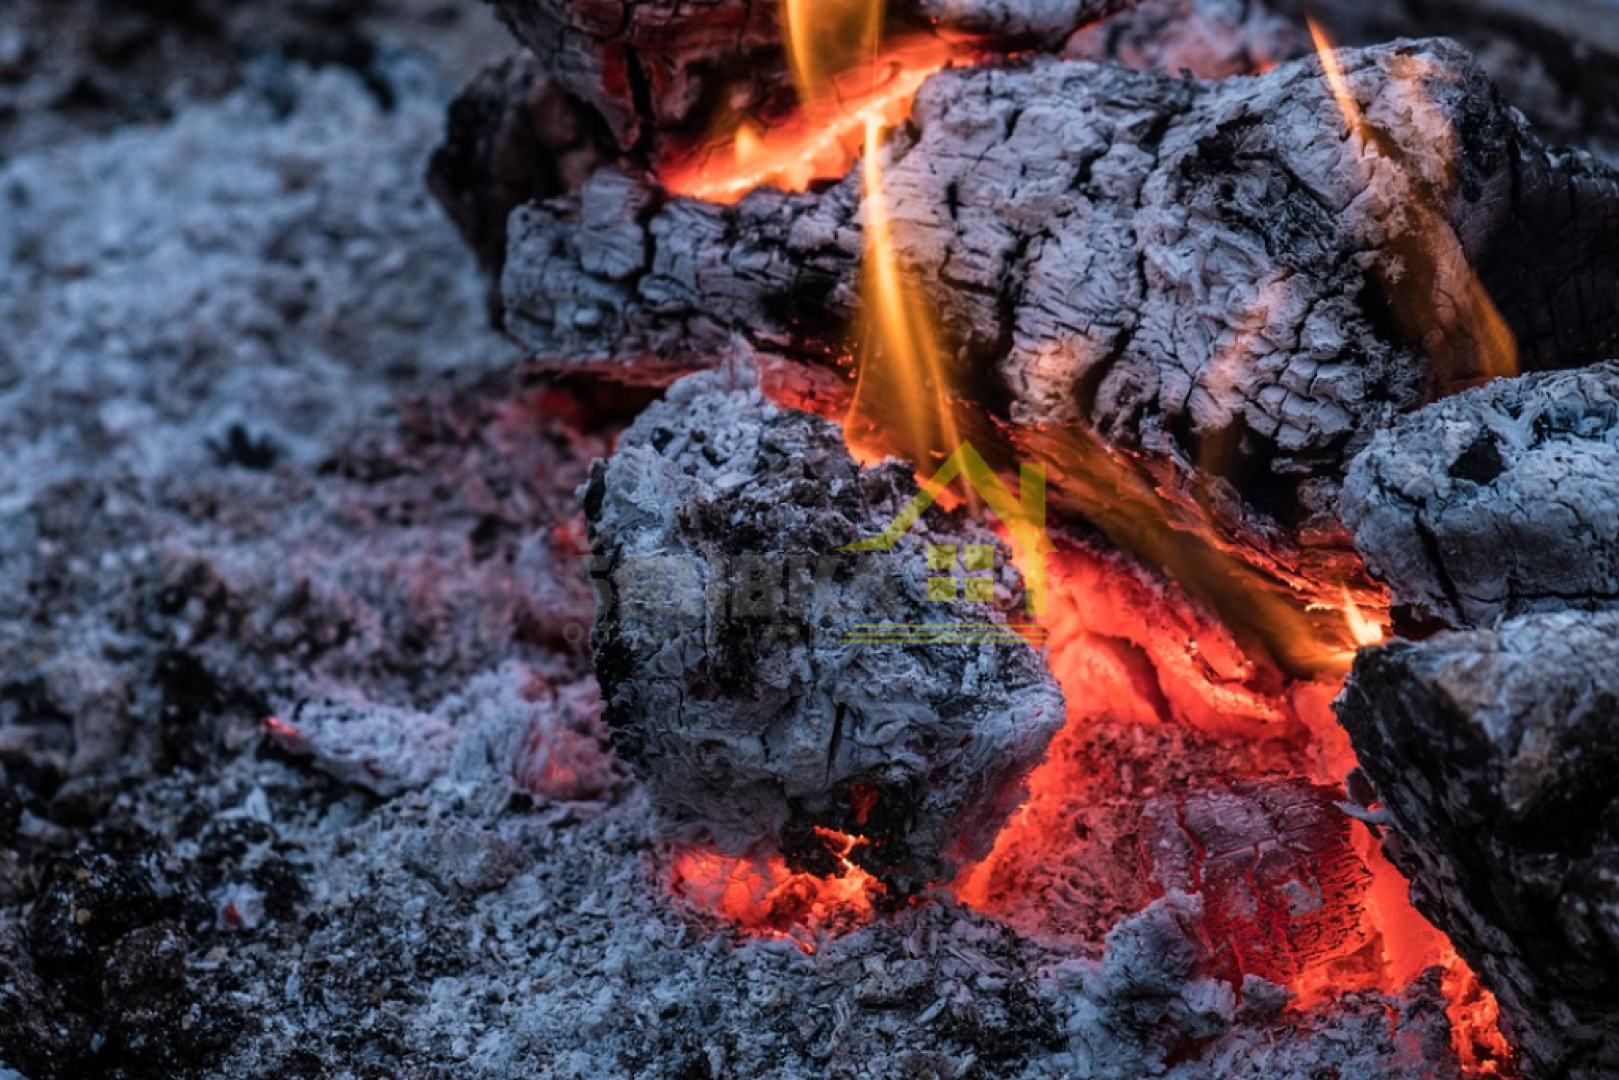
(1024, 514)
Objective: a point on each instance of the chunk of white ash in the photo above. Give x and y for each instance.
(378, 747)
(735, 644)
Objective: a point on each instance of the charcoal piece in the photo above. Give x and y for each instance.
(1498, 502)
(745, 660)
(511, 135)
(1209, 274)
(655, 67)
(1281, 883)
(1494, 752)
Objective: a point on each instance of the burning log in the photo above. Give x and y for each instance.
(1496, 503)
(1494, 754)
(1204, 272)
(772, 689)
(650, 68)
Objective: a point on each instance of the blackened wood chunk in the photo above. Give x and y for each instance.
(1495, 752)
(510, 137)
(774, 690)
(652, 68)
(1282, 886)
(1498, 502)
(1013, 23)
(1216, 274)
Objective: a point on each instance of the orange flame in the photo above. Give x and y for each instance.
(901, 361)
(1459, 306)
(846, 84)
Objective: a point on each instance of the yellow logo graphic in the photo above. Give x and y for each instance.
(1023, 515)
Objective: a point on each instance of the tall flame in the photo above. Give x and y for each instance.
(900, 359)
(1459, 304)
(826, 38)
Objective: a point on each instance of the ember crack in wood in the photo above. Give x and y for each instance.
(1209, 273)
(1498, 502)
(654, 67)
(1281, 884)
(737, 648)
(1495, 752)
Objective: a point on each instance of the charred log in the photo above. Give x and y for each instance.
(656, 67)
(512, 136)
(769, 687)
(1209, 277)
(1211, 39)
(1494, 752)
(1557, 60)
(1496, 503)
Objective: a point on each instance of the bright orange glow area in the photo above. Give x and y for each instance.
(763, 897)
(849, 81)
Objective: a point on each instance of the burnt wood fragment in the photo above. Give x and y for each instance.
(1495, 503)
(772, 689)
(510, 137)
(1281, 884)
(1494, 752)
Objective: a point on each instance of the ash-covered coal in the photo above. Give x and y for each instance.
(757, 676)
(1281, 885)
(1498, 502)
(1494, 752)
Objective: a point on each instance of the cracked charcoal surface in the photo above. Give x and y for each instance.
(719, 641)
(1206, 272)
(1495, 752)
(1496, 503)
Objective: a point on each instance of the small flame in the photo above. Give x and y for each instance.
(1365, 630)
(1440, 291)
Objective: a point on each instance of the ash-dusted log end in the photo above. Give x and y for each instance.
(1498, 502)
(1495, 752)
(767, 685)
